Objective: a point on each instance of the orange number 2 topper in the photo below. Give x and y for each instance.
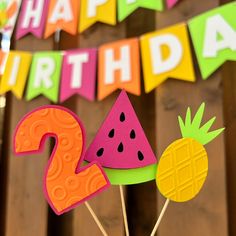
(66, 184)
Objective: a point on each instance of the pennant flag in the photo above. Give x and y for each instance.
(214, 38)
(8, 14)
(32, 18)
(166, 53)
(3, 60)
(97, 10)
(62, 15)
(119, 67)
(79, 74)
(16, 72)
(126, 7)
(171, 3)
(45, 76)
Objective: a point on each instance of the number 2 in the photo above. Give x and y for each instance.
(66, 184)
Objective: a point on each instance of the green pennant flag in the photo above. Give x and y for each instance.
(126, 7)
(214, 38)
(45, 76)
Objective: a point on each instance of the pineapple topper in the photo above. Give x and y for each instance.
(183, 167)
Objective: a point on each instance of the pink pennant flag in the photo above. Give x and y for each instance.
(79, 74)
(171, 3)
(32, 18)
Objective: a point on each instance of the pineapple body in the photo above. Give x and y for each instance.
(182, 170)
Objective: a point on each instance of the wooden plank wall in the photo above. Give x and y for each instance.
(26, 208)
(229, 102)
(23, 210)
(142, 197)
(104, 208)
(207, 213)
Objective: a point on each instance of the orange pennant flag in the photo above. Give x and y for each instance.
(3, 60)
(62, 15)
(119, 67)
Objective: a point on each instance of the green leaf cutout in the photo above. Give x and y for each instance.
(192, 128)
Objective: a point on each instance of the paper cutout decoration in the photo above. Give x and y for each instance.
(119, 67)
(126, 7)
(32, 18)
(121, 146)
(45, 76)
(62, 15)
(166, 54)
(93, 11)
(3, 61)
(16, 72)
(214, 38)
(171, 3)
(79, 74)
(8, 14)
(183, 167)
(66, 184)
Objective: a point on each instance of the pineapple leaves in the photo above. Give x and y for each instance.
(199, 115)
(192, 128)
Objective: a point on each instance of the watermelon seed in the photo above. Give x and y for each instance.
(132, 134)
(111, 133)
(140, 156)
(120, 147)
(100, 152)
(122, 117)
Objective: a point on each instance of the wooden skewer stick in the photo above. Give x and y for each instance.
(160, 217)
(96, 219)
(124, 210)
(57, 36)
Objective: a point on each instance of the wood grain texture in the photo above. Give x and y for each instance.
(229, 98)
(3, 168)
(141, 198)
(26, 208)
(229, 88)
(207, 214)
(107, 205)
(2, 111)
(62, 225)
(23, 210)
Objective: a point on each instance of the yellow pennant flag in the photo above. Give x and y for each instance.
(166, 54)
(93, 11)
(16, 72)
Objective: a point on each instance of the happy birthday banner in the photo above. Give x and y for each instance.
(165, 54)
(44, 17)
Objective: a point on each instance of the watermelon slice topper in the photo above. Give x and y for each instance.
(121, 146)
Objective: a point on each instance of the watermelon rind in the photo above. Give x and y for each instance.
(130, 176)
